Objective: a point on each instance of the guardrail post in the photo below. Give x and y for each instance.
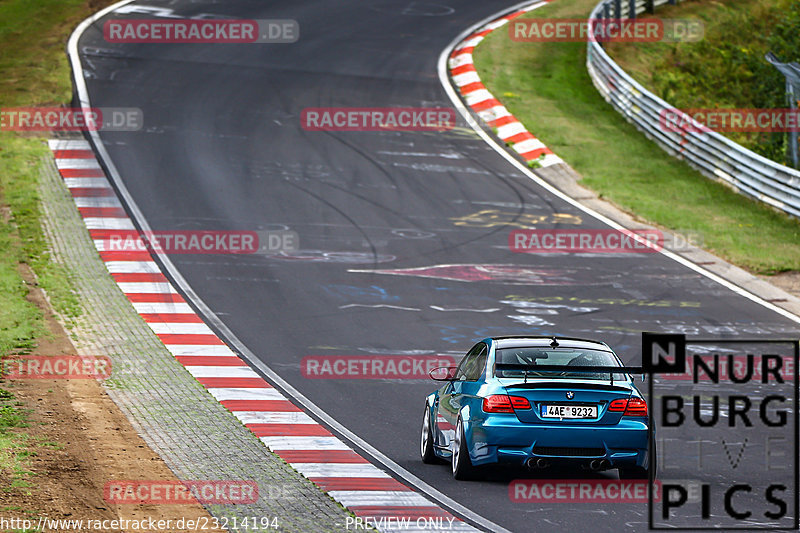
(617, 9)
(632, 9)
(649, 6)
(673, 2)
(598, 28)
(792, 73)
(793, 133)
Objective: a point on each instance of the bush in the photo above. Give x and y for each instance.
(727, 68)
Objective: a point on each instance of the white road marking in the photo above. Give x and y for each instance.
(190, 328)
(510, 129)
(339, 470)
(76, 164)
(221, 371)
(393, 498)
(269, 393)
(89, 183)
(108, 223)
(58, 144)
(139, 287)
(490, 310)
(466, 78)
(98, 201)
(528, 146)
(162, 307)
(132, 267)
(378, 306)
(304, 443)
(274, 417)
(422, 154)
(209, 350)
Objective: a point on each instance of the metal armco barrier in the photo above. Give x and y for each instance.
(709, 152)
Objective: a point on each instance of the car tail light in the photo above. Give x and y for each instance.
(497, 403)
(518, 402)
(629, 407)
(502, 403)
(636, 407)
(618, 405)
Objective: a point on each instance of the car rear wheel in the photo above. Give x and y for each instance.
(426, 439)
(462, 466)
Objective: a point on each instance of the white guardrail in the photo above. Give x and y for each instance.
(709, 152)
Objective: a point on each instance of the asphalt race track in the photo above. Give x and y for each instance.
(223, 149)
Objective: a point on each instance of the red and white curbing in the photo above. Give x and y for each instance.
(312, 450)
(477, 97)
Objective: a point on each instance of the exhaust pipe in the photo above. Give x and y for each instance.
(600, 464)
(533, 464)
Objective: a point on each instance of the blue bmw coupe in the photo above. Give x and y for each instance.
(538, 402)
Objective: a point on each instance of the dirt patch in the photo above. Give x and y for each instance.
(788, 281)
(79, 440)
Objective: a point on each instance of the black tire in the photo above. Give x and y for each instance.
(636, 472)
(462, 466)
(426, 439)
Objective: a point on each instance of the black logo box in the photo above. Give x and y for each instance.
(664, 353)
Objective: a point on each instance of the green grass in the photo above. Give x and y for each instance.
(33, 35)
(11, 417)
(20, 160)
(14, 445)
(20, 320)
(546, 86)
(33, 72)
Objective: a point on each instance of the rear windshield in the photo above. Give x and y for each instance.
(568, 358)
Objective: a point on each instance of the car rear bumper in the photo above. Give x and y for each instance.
(501, 440)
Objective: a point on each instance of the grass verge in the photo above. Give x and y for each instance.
(547, 87)
(33, 72)
(14, 449)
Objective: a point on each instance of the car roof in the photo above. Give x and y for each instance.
(541, 341)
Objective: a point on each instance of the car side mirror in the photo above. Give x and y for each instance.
(443, 373)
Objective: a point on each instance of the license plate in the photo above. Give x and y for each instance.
(568, 411)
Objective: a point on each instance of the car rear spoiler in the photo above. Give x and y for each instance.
(562, 368)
